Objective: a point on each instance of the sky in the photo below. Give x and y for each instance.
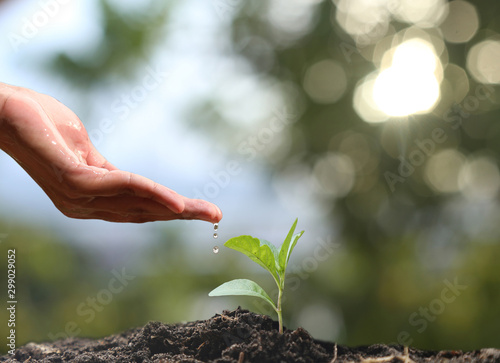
(161, 148)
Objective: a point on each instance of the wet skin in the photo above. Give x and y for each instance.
(50, 142)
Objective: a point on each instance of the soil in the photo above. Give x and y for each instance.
(235, 336)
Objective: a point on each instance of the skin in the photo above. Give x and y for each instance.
(50, 142)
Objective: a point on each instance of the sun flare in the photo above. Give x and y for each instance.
(410, 84)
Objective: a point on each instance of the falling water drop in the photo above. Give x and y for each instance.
(216, 227)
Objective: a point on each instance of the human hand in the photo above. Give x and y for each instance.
(49, 141)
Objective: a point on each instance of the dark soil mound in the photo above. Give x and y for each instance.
(235, 336)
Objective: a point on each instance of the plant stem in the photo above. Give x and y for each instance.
(281, 288)
(278, 310)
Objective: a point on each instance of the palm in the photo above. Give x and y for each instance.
(51, 144)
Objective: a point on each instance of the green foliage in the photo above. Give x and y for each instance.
(242, 287)
(266, 255)
(127, 41)
(257, 252)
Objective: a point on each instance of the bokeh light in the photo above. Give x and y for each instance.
(409, 85)
(369, 21)
(442, 170)
(458, 81)
(334, 174)
(483, 61)
(325, 81)
(424, 13)
(363, 101)
(479, 178)
(291, 19)
(363, 17)
(462, 22)
(357, 147)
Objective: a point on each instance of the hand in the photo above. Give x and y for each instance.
(49, 141)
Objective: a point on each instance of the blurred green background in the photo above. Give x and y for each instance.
(375, 123)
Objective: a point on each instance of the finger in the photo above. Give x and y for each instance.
(202, 210)
(128, 205)
(98, 182)
(120, 218)
(136, 209)
(122, 209)
(94, 158)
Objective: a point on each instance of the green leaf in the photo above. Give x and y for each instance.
(257, 252)
(242, 287)
(287, 248)
(274, 250)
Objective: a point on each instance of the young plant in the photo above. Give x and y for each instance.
(269, 257)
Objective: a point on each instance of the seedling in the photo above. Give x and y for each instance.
(266, 255)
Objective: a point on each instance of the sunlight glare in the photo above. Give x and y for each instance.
(409, 85)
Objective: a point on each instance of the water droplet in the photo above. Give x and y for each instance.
(216, 226)
(215, 249)
(216, 235)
